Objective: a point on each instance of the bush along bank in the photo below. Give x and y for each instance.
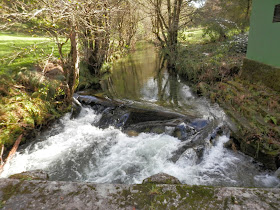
(214, 71)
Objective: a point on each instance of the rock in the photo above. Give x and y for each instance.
(76, 108)
(277, 173)
(229, 144)
(31, 175)
(122, 115)
(199, 124)
(131, 133)
(161, 178)
(199, 151)
(183, 132)
(188, 158)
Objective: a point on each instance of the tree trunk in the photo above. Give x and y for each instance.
(99, 52)
(73, 68)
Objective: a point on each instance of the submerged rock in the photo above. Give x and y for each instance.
(31, 175)
(189, 157)
(161, 178)
(139, 118)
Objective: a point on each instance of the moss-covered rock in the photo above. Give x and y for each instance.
(161, 178)
(31, 175)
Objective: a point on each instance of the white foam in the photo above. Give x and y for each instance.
(83, 152)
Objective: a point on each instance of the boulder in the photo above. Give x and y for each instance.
(31, 175)
(161, 178)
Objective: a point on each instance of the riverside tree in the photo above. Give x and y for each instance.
(168, 17)
(66, 20)
(219, 17)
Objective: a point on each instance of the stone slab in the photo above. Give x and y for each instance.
(36, 194)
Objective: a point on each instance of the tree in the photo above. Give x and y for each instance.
(126, 21)
(168, 17)
(221, 16)
(64, 20)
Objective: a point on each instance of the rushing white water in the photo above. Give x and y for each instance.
(79, 151)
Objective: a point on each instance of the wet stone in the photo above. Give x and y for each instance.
(199, 124)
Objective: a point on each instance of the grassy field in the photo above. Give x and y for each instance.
(193, 36)
(18, 51)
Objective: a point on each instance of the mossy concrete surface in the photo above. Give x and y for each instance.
(258, 72)
(34, 194)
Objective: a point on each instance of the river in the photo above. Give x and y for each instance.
(79, 150)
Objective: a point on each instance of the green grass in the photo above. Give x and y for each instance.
(18, 50)
(193, 36)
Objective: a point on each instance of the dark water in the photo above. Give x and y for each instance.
(77, 150)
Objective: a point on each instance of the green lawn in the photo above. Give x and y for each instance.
(18, 51)
(193, 36)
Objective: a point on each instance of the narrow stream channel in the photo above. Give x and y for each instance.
(79, 150)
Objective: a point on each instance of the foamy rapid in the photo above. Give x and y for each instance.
(77, 150)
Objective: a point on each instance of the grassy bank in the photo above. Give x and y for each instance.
(214, 69)
(28, 99)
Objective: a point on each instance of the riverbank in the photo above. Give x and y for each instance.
(35, 194)
(31, 86)
(215, 70)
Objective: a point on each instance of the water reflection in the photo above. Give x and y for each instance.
(143, 76)
(130, 75)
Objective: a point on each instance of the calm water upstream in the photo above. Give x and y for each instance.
(78, 150)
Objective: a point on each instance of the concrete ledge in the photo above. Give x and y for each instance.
(258, 72)
(31, 194)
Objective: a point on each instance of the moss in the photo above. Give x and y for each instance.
(21, 177)
(273, 205)
(226, 203)
(232, 199)
(14, 189)
(150, 196)
(93, 188)
(72, 194)
(181, 191)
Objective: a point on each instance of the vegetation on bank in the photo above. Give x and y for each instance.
(214, 69)
(28, 98)
(32, 85)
